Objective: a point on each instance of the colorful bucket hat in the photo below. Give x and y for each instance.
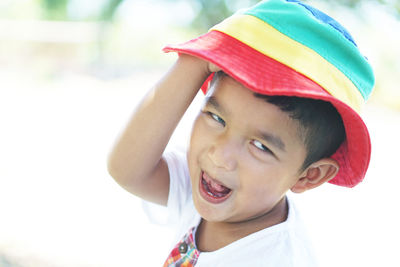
(285, 47)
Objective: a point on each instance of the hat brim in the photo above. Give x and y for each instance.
(265, 75)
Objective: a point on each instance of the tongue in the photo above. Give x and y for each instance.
(215, 187)
(219, 188)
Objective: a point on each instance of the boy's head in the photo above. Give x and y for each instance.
(246, 153)
(287, 48)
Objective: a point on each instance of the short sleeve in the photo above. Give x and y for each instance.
(179, 191)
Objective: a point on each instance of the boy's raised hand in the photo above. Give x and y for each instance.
(135, 161)
(212, 67)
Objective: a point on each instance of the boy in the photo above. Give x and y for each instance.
(280, 114)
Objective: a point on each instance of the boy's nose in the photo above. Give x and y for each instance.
(223, 154)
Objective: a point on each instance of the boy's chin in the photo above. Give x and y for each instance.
(207, 211)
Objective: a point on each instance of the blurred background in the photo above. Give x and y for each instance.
(71, 73)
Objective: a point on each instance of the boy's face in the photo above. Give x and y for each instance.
(244, 154)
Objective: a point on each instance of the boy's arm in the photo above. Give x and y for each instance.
(135, 161)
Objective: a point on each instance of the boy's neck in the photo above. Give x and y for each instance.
(211, 236)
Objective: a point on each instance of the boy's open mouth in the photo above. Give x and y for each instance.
(213, 191)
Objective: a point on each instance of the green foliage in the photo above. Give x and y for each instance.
(110, 8)
(213, 11)
(209, 12)
(55, 9)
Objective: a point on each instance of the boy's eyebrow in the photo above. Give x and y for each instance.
(273, 140)
(212, 101)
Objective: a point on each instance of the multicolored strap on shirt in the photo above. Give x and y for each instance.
(185, 253)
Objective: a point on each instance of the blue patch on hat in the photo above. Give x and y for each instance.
(321, 16)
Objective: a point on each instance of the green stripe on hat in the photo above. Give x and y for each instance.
(300, 24)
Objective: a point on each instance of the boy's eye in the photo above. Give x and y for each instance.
(260, 146)
(217, 118)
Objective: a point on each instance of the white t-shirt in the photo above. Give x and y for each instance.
(282, 245)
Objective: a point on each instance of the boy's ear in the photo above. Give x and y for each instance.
(316, 174)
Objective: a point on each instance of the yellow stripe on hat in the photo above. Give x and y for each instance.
(266, 39)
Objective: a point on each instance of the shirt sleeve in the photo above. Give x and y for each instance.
(179, 191)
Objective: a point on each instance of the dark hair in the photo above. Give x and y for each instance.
(321, 126)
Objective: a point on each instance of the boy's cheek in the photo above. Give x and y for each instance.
(200, 136)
